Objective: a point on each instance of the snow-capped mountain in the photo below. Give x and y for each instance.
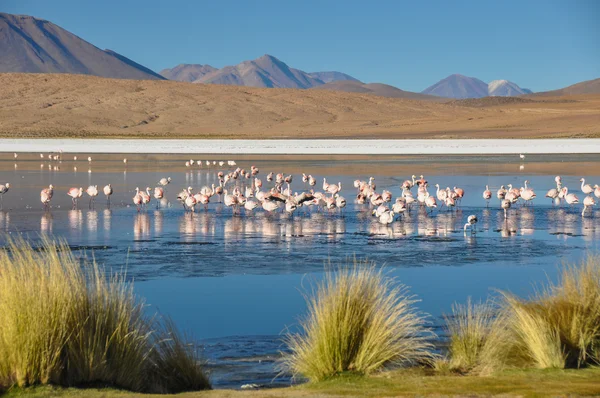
(504, 88)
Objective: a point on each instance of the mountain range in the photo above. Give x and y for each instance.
(33, 45)
(459, 87)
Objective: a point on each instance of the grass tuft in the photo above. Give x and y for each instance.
(469, 328)
(67, 324)
(359, 321)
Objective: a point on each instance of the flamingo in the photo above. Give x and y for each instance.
(159, 193)
(89, 159)
(400, 206)
(190, 202)
(471, 221)
(526, 193)
(408, 184)
(165, 181)
(387, 217)
(506, 204)
(4, 189)
(312, 181)
(107, 192)
(230, 200)
(137, 199)
(586, 188)
(487, 195)
(251, 204)
(553, 194)
(588, 201)
(380, 210)
(46, 196)
(340, 201)
(75, 194)
(570, 198)
(92, 192)
(430, 202)
(270, 205)
(501, 193)
(597, 191)
(441, 195)
(125, 160)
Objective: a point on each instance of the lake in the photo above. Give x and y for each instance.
(235, 282)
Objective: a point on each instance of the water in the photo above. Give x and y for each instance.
(236, 282)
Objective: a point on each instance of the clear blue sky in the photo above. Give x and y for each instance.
(538, 44)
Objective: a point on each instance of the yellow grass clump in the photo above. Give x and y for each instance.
(358, 320)
(68, 324)
(468, 329)
(559, 327)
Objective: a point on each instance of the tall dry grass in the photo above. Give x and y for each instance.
(468, 327)
(67, 325)
(358, 320)
(558, 327)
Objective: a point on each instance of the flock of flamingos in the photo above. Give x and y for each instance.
(243, 188)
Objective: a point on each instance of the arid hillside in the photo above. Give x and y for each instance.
(61, 105)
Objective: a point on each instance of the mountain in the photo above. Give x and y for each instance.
(504, 88)
(266, 71)
(586, 87)
(458, 86)
(328, 77)
(382, 90)
(187, 72)
(33, 45)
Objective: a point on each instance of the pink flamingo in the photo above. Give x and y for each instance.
(597, 191)
(506, 204)
(46, 196)
(430, 202)
(588, 201)
(586, 188)
(487, 195)
(159, 193)
(137, 199)
(501, 193)
(570, 198)
(107, 192)
(75, 194)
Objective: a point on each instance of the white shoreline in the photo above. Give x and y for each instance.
(307, 147)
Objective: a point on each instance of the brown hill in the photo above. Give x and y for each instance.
(382, 90)
(32, 45)
(62, 105)
(586, 87)
(187, 72)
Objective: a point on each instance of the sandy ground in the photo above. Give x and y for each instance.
(307, 147)
(76, 106)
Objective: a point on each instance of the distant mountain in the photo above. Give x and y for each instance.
(33, 45)
(504, 88)
(187, 72)
(382, 90)
(328, 77)
(458, 86)
(266, 71)
(586, 87)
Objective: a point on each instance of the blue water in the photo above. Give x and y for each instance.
(236, 281)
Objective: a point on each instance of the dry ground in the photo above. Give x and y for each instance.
(55, 105)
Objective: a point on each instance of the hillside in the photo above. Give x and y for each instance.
(61, 105)
(379, 89)
(32, 45)
(187, 72)
(266, 71)
(586, 87)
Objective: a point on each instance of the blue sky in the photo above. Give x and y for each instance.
(538, 44)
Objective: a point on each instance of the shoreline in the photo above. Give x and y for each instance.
(307, 146)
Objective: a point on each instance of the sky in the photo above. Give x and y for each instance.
(538, 44)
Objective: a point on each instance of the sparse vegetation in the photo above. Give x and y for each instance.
(360, 321)
(559, 327)
(66, 325)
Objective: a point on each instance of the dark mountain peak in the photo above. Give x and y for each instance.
(33, 45)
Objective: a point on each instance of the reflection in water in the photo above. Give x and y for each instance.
(92, 221)
(106, 221)
(4, 220)
(46, 223)
(141, 226)
(75, 221)
(158, 222)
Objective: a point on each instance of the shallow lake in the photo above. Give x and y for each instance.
(236, 281)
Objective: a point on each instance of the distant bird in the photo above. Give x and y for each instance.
(75, 194)
(522, 156)
(107, 192)
(588, 201)
(15, 155)
(487, 195)
(89, 159)
(92, 192)
(3, 189)
(46, 196)
(586, 188)
(74, 157)
(471, 221)
(165, 181)
(506, 203)
(125, 160)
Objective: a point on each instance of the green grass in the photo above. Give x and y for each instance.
(66, 325)
(358, 320)
(402, 382)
